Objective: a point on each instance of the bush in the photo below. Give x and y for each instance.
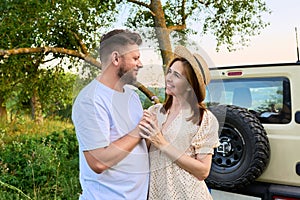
(40, 167)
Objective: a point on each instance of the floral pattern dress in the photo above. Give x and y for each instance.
(167, 180)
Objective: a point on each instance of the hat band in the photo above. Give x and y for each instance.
(202, 71)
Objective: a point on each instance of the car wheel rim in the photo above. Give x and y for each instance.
(231, 150)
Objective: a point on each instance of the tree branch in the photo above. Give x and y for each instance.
(82, 45)
(146, 91)
(183, 12)
(142, 4)
(206, 4)
(73, 53)
(201, 1)
(177, 27)
(45, 61)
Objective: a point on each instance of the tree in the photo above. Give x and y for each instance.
(39, 31)
(71, 28)
(231, 22)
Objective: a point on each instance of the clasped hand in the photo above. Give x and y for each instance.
(150, 130)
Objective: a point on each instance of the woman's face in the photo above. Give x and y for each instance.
(176, 82)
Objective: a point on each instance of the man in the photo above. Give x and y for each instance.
(113, 159)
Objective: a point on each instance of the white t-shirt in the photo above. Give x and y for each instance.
(100, 116)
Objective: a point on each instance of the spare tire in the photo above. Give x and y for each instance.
(244, 149)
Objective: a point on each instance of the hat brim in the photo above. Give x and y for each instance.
(198, 64)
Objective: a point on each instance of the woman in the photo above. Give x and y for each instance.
(182, 132)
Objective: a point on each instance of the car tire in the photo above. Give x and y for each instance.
(244, 149)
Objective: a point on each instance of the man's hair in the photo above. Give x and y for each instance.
(116, 40)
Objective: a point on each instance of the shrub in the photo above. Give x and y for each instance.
(41, 167)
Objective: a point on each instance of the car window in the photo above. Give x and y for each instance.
(267, 98)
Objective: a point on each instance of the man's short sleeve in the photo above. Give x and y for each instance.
(91, 122)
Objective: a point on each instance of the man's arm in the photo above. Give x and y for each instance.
(103, 158)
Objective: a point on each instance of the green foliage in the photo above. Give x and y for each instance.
(55, 93)
(43, 166)
(27, 23)
(231, 22)
(57, 101)
(38, 23)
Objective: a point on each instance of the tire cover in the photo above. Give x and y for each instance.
(244, 150)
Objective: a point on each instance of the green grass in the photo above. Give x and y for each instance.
(26, 126)
(38, 161)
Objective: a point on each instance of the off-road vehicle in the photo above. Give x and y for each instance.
(258, 108)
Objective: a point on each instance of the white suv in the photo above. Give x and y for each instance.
(258, 108)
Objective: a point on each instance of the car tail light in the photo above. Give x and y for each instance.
(284, 198)
(235, 73)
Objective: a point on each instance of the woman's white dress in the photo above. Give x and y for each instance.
(167, 180)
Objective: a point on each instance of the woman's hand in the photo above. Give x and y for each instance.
(150, 130)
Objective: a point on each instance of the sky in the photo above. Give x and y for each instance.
(276, 43)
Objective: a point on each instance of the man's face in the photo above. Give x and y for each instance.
(130, 64)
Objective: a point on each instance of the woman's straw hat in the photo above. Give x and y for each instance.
(198, 64)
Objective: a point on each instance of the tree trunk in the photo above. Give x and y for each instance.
(36, 108)
(162, 33)
(3, 112)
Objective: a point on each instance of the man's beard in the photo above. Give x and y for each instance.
(126, 76)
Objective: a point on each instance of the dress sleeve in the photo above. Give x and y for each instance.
(206, 139)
